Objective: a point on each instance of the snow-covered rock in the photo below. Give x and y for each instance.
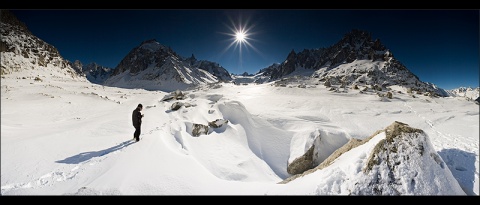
(399, 160)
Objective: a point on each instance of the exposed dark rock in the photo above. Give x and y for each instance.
(217, 123)
(199, 129)
(176, 105)
(389, 95)
(303, 163)
(175, 95)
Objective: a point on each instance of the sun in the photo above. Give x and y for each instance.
(240, 36)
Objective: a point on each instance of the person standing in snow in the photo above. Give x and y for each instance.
(137, 121)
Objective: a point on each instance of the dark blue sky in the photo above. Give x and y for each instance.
(439, 46)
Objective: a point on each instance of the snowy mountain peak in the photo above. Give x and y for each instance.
(152, 65)
(153, 45)
(355, 59)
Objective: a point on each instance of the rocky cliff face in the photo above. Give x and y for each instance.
(22, 51)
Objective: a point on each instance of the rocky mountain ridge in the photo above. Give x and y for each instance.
(21, 51)
(356, 59)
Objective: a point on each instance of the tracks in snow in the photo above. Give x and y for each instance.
(66, 172)
(447, 140)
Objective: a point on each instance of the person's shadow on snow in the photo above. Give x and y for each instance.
(84, 156)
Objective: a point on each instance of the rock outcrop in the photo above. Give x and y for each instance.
(398, 160)
(309, 150)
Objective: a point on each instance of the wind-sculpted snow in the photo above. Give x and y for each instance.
(267, 142)
(264, 147)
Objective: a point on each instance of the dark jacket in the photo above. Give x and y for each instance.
(137, 117)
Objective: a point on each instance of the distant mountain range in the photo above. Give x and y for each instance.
(93, 72)
(356, 59)
(469, 93)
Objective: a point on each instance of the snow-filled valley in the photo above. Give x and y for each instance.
(62, 136)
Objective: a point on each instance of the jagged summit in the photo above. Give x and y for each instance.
(355, 59)
(355, 45)
(359, 45)
(94, 72)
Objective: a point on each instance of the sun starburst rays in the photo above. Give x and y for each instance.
(240, 39)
